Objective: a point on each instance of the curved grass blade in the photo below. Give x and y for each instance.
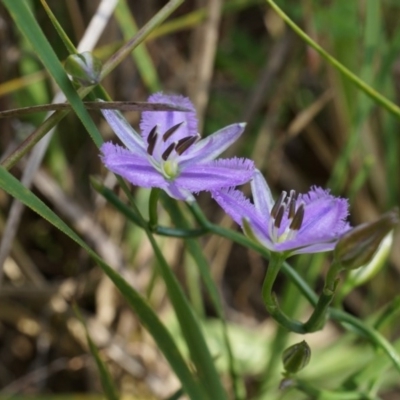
(28, 25)
(145, 313)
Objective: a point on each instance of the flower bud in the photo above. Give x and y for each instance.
(296, 357)
(84, 68)
(362, 275)
(358, 246)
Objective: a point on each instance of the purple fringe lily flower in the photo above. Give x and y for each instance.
(170, 154)
(294, 224)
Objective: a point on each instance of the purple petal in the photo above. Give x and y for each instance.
(178, 193)
(167, 119)
(301, 245)
(135, 168)
(235, 204)
(212, 146)
(324, 214)
(216, 175)
(262, 196)
(128, 136)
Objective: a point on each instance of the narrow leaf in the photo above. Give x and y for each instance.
(144, 312)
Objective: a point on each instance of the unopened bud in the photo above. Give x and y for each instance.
(84, 68)
(296, 357)
(357, 247)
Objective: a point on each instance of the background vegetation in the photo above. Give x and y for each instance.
(307, 125)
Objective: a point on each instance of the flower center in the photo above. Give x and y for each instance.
(286, 217)
(165, 156)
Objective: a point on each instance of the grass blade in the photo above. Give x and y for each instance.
(28, 25)
(144, 312)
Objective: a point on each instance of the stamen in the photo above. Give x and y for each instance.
(185, 143)
(170, 131)
(168, 151)
(152, 134)
(279, 216)
(298, 219)
(292, 204)
(277, 204)
(152, 140)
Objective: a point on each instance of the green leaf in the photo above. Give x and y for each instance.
(144, 312)
(26, 22)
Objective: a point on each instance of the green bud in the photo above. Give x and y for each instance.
(358, 246)
(296, 357)
(360, 276)
(84, 68)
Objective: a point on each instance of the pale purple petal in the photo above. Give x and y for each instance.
(324, 214)
(167, 119)
(128, 136)
(262, 195)
(216, 174)
(310, 248)
(178, 193)
(134, 168)
(235, 204)
(212, 146)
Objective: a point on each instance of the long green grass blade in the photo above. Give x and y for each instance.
(197, 254)
(188, 323)
(144, 312)
(28, 25)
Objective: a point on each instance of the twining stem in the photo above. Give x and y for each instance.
(318, 318)
(270, 300)
(341, 316)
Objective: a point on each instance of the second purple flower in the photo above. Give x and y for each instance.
(293, 224)
(170, 154)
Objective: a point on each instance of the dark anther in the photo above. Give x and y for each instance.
(292, 208)
(168, 151)
(298, 219)
(152, 134)
(185, 143)
(292, 204)
(277, 204)
(279, 216)
(170, 131)
(152, 140)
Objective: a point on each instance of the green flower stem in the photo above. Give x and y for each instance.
(153, 202)
(124, 209)
(368, 90)
(319, 394)
(391, 311)
(318, 318)
(344, 318)
(270, 300)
